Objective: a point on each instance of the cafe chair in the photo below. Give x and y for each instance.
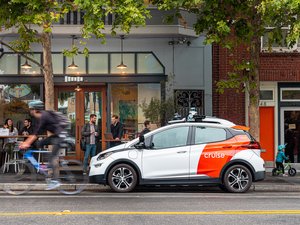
(11, 156)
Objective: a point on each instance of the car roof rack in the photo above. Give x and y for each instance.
(194, 118)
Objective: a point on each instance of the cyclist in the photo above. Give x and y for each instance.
(46, 121)
(280, 157)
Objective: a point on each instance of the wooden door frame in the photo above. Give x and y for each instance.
(79, 95)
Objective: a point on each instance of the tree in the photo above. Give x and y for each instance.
(34, 19)
(232, 23)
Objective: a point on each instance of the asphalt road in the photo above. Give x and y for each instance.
(144, 207)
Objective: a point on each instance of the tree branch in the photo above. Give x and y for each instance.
(23, 55)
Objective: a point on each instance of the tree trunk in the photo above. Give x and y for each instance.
(48, 71)
(254, 89)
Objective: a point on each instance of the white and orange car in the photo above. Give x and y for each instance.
(211, 151)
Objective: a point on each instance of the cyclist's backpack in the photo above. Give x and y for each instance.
(63, 121)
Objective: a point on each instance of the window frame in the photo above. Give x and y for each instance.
(278, 49)
(288, 89)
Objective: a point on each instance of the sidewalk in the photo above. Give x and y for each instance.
(270, 184)
(278, 183)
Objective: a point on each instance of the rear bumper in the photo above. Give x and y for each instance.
(97, 179)
(259, 175)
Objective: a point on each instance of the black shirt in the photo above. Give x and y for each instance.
(28, 130)
(116, 130)
(145, 131)
(47, 122)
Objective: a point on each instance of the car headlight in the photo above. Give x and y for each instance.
(104, 156)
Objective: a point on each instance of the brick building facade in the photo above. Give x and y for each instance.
(279, 103)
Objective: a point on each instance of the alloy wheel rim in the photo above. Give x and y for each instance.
(238, 179)
(122, 178)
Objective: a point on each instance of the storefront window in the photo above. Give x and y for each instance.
(35, 69)
(8, 64)
(14, 102)
(148, 64)
(290, 94)
(145, 93)
(79, 60)
(126, 99)
(58, 63)
(98, 63)
(128, 60)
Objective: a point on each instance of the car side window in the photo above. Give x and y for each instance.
(209, 134)
(173, 137)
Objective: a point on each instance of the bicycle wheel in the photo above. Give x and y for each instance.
(292, 172)
(71, 177)
(17, 182)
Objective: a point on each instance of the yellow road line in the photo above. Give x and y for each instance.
(243, 212)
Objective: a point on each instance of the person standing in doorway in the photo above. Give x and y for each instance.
(116, 129)
(90, 132)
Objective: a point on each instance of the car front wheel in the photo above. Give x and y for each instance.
(122, 178)
(237, 179)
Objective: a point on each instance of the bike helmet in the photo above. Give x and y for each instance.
(281, 147)
(37, 105)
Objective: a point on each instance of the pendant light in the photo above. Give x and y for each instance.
(73, 66)
(122, 65)
(78, 88)
(26, 65)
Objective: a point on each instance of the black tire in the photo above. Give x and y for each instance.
(17, 182)
(275, 172)
(72, 179)
(292, 172)
(237, 179)
(122, 178)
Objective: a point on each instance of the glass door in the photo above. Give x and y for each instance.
(78, 105)
(290, 132)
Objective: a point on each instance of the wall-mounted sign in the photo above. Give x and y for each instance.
(73, 79)
(18, 91)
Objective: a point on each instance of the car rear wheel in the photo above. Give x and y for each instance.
(122, 178)
(237, 179)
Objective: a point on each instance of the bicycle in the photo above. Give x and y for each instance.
(29, 171)
(287, 166)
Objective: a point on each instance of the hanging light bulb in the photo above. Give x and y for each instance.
(122, 65)
(73, 66)
(78, 88)
(26, 65)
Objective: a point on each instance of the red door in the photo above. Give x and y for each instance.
(266, 138)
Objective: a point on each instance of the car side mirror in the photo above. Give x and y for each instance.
(141, 143)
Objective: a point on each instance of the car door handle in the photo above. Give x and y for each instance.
(180, 152)
(227, 146)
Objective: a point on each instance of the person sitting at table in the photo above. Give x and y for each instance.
(27, 129)
(116, 129)
(13, 131)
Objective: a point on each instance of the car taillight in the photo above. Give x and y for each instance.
(252, 145)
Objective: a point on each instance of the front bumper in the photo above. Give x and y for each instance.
(259, 175)
(97, 179)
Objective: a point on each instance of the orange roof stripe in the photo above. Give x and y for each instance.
(239, 127)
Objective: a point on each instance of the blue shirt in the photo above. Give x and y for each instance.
(280, 157)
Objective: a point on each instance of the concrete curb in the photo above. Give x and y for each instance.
(275, 188)
(256, 187)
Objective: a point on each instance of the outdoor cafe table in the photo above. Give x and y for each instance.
(15, 136)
